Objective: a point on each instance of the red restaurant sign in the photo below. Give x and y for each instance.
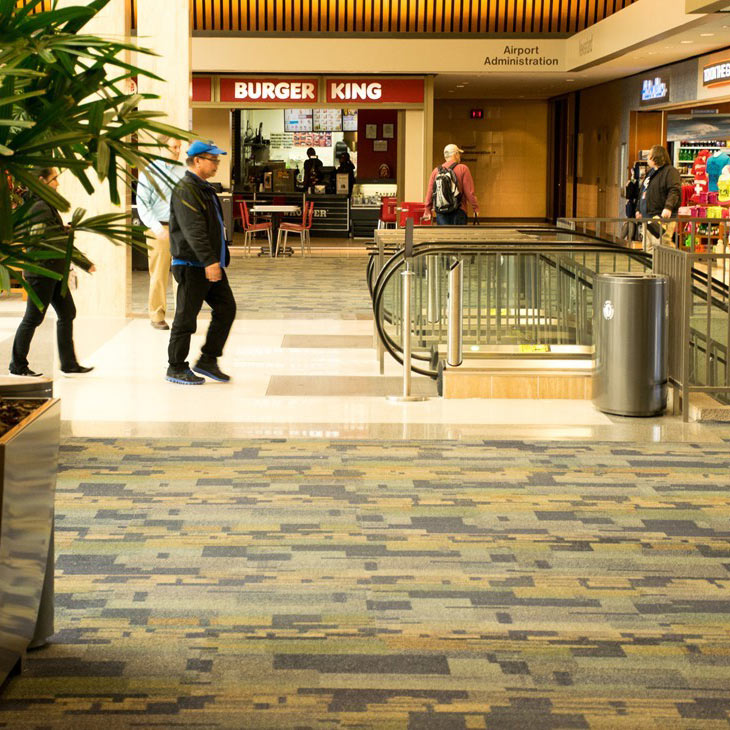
(202, 88)
(369, 91)
(343, 91)
(265, 91)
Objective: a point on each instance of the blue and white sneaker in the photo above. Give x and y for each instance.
(183, 377)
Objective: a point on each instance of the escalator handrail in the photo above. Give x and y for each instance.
(474, 248)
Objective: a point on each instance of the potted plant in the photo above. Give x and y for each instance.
(63, 104)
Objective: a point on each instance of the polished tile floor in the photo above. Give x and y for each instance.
(280, 385)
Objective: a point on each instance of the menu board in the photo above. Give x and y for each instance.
(282, 140)
(297, 120)
(313, 139)
(349, 120)
(327, 120)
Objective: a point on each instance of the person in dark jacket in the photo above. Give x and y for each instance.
(660, 195)
(312, 174)
(347, 168)
(199, 258)
(49, 291)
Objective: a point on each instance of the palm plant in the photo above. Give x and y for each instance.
(64, 103)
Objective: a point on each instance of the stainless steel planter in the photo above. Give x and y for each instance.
(28, 466)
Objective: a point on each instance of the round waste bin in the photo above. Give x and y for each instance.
(630, 330)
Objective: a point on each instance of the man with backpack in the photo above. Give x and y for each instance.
(450, 188)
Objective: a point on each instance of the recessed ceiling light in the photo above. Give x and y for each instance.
(686, 41)
(706, 35)
(570, 80)
(451, 91)
(459, 86)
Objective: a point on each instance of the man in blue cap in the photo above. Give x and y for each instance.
(199, 258)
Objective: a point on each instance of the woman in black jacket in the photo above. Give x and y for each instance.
(49, 291)
(660, 195)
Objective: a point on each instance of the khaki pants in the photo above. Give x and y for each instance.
(666, 237)
(158, 257)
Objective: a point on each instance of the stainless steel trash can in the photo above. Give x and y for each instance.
(630, 330)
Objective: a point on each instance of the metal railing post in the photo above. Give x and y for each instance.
(433, 277)
(407, 277)
(454, 352)
(406, 336)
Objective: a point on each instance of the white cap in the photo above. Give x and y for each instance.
(450, 150)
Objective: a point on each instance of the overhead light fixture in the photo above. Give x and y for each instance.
(706, 35)
(570, 81)
(686, 41)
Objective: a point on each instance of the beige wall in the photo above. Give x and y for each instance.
(215, 125)
(413, 177)
(599, 181)
(511, 145)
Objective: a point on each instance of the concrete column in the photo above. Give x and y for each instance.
(416, 172)
(428, 114)
(106, 292)
(164, 27)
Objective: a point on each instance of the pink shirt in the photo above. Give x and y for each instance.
(466, 187)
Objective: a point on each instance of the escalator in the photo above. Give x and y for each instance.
(525, 291)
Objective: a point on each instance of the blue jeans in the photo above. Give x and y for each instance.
(457, 218)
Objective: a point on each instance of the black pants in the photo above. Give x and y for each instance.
(194, 289)
(49, 292)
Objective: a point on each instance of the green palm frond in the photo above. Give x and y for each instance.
(63, 104)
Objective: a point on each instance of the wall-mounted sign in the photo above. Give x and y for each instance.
(716, 74)
(525, 56)
(374, 91)
(265, 91)
(655, 90)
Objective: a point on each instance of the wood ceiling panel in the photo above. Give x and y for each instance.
(396, 17)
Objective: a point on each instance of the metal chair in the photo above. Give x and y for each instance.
(251, 229)
(417, 211)
(388, 214)
(302, 229)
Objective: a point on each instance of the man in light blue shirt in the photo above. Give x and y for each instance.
(153, 207)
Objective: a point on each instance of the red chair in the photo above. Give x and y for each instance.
(251, 229)
(302, 229)
(421, 216)
(388, 215)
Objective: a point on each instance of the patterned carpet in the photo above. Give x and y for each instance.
(361, 584)
(316, 287)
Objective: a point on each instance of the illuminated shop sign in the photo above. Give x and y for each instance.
(305, 92)
(716, 74)
(383, 91)
(654, 90)
(257, 91)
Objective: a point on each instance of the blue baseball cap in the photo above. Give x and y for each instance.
(201, 148)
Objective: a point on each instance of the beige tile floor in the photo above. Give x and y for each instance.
(126, 394)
